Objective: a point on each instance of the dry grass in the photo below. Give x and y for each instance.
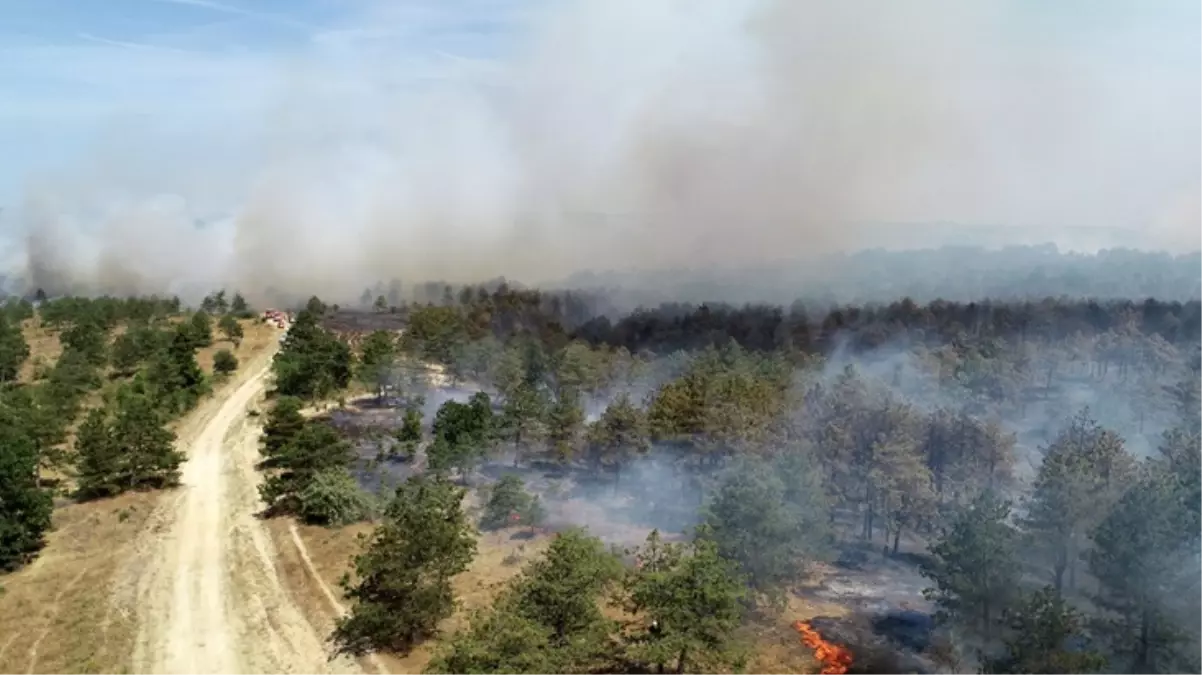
(55, 614)
(44, 349)
(257, 336)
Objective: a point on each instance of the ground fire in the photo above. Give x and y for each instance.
(834, 658)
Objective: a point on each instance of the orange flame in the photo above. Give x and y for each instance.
(835, 659)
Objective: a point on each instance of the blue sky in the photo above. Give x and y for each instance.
(72, 71)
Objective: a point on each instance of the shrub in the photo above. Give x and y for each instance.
(224, 362)
(333, 497)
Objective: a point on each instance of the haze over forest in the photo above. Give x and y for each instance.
(297, 147)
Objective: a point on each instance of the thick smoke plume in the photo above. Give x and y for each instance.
(625, 133)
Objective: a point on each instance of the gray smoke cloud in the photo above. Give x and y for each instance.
(626, 134)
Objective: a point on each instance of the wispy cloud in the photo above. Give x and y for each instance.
(239, 11)
(125, 44)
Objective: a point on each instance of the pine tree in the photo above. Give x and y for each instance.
(1145, 558)
(284, 422)
(462, 433)
(691, 602)
(99, 464)
(315, 448)
(200, 330)
(224, 362)
(1045, 633)
(147, 446)
(1082, 474)
(618, 436)
(130, 451)
(377, 357)
(752, 524)
(500, 640)
(13, 349)
(239, 308)
(973, 565)
(403, 586)
(507, 503)
(565, 422)
(174, 375)
(409, 436)
(230, 327)
(25, 508)
(561, 590)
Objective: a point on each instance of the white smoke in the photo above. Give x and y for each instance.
(626, 133)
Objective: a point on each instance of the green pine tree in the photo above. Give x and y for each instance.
(403, 588)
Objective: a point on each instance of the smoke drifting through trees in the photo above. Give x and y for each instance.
(711, 133)
(894, 427)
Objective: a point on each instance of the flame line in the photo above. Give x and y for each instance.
(835, 659)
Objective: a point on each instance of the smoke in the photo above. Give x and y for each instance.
(625, 134)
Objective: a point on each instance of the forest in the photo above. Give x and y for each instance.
(1023, 472)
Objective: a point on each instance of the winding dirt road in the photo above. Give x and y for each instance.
(203, 584)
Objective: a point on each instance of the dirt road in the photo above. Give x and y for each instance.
(203, 583)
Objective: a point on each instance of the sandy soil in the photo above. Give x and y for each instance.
(203, 583)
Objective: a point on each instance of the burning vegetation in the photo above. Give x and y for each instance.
(835, 659)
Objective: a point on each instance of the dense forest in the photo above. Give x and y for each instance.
(1032, 462)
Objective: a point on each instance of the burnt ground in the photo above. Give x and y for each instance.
(362, 321)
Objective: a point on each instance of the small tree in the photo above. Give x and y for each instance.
(691, 598)
(561, 590)
(284, 423)
(239, 308)
(224, 362)
(25, 508)
(534, 515)
(377, 357)
(98, 466)
(200, 330)
(507, 503)
(410, 434)
(752, 523)
(462, 433)
(232, 330)
(333, 497)
(619, 435)
(132, 451)
(404, 576)
(380, 305)
(1042, 630)
(973, 565)
(13, 349)
(314, 449)
(500, 640)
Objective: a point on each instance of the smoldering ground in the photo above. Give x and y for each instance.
(617, 134)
